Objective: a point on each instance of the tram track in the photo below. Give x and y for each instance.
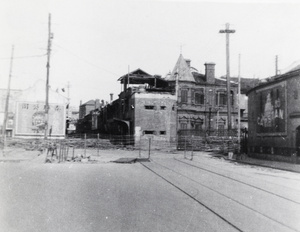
(194, 197)
(239, 181)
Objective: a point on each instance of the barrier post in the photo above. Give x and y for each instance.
(73, 152)
(149, 148)
(185, 147)
(140, 146)
(192, 144)
(98, 144)
(84, 145)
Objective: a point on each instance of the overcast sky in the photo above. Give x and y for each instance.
(95, 41)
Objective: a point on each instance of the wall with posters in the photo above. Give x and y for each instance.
(30, 119)
(271, 118)
(26, 114)
(274, 118)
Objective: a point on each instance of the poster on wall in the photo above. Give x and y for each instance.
(30, 119)
(271, 109)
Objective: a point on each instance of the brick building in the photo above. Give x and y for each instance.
(274, 117)
(145, 109)
(86, 108)
(201, 98)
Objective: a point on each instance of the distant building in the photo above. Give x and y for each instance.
(13, 96)
(246, 85)
(274, 117)
(86, 108)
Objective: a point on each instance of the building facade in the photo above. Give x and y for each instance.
(145, 109)
(201, 98)
(274, 117)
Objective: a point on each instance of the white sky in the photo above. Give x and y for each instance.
(95, 40)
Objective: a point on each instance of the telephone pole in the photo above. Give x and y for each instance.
(227, 31)
(239, 107)
(7, 101)
(276, 65)
(50, 37)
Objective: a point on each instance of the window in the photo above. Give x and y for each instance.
(184, 96)
(232, 97)
(147, 132)
(199, 98)
(162, 132)
(149, 107)
(163, 107)
(221, 98)
(183, 125)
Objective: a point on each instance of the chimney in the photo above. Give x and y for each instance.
(210, 72)
(111, 97)
(188, 61)
(97, 103)
(80, 102)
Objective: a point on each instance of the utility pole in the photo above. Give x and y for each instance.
(50, 37)
(7, 101)
(239, 108)
(276, 65)
(227, 31)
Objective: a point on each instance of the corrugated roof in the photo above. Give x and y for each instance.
(183, 70)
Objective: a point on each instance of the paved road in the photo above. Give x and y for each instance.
(167, 194)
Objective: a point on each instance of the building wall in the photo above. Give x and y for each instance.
(274, 115)
(209, 111)
(155, 117)
(11, 107)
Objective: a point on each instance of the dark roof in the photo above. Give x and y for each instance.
(138, 73)
(90, 102)
(276, 79)
(141, 77)
(246, 83)
(199, 78)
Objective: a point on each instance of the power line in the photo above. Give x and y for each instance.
(22, 57)
(86, 61)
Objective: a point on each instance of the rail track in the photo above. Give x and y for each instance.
(177, 174)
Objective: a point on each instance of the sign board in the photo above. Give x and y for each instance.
(271, 109)
(30, 119)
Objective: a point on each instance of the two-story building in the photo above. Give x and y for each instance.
(201, 98)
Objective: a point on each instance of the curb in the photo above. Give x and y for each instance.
(262, 165)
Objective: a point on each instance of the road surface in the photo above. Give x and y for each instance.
(169, 193)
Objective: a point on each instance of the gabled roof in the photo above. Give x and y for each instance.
(90, 102)
(182, 69)
(141, 77)
(136, 73)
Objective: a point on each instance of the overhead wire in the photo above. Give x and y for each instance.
(23, 57)
(84, 60)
